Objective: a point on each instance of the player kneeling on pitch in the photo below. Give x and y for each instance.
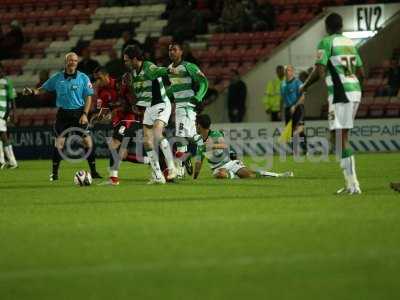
(217, 153)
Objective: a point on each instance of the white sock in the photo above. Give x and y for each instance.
(113, 173)
(154, 163)
(349, 169)
(10, 155)
(346, 179)
(268, 174)
(182, 149)
(166, 149)
(2, 161)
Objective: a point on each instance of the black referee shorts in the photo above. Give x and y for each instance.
(67, 120)
(297, 117)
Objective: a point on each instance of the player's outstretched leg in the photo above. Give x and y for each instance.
(262, 173)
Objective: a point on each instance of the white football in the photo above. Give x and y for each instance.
(82, 178)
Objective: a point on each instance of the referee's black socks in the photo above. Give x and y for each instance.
(56, 160)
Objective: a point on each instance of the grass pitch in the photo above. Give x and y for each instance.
(204, 239)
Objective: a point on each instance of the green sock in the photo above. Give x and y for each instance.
(347, 152)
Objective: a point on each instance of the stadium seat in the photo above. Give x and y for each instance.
(392, 110)
(216, 39)
(18, 112)
(51, 116)
(377, 109)
(26, 118)
(39, 118)
(362, 111)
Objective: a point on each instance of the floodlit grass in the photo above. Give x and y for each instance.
(204, 239)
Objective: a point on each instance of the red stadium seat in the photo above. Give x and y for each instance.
(244, 40)
(392, 110)
(362, 111)
(230, 40)
(234, 55)
(51, 116)
(26, 118)
(376, 110)
(18, 112)
(39, 118)
(216, 39)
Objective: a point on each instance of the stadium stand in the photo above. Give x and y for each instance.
(52, 28)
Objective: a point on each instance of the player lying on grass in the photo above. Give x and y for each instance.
(217, 153)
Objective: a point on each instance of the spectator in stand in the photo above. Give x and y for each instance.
(2, 45)
(262, 15)
(115, 66)
(393, 84)
(181, 21)
(203, 8)
(237, 92)
(87, 65)
(128, 40)
(149, 46)
(272, 98)
(13, 41)
(233, 17)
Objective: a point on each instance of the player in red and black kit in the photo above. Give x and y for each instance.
(114, 100)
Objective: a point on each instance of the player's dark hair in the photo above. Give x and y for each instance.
(204, 121)
(334, 23)
(178, 43)
(280, 67)
(101, 70)
(134, 51)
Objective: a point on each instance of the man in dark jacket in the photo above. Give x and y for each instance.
(237, 92)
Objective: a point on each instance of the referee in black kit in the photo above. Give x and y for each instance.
(73, 99)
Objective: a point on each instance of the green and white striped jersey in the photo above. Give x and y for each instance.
(148, 86)
(188, 86)
(217, 157)
(341, 58)
(7, 94)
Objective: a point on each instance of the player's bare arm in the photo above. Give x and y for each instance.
(317, 73)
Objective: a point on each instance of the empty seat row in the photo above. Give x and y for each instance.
(25, 117)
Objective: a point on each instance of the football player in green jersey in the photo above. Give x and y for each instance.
(188, 88)
(7, 97)
(151, 95)
(217, 153)
(339, 62)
